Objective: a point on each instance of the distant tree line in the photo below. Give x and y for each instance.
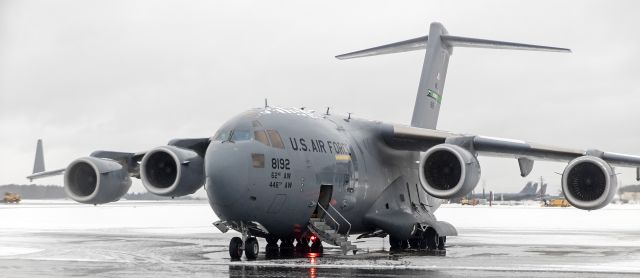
(33, 191)
(630, 188)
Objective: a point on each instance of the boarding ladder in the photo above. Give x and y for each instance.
(326, 228)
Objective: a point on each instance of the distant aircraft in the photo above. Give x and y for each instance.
(288, 174)
(528, 192)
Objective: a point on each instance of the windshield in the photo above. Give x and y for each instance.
(233, 135)
(240, 135)
(221, 135)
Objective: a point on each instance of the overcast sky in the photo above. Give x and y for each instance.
(131, 75)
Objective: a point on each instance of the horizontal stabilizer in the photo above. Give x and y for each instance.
(397, 47)
(480, 43)
(45, 174)
(421, 43)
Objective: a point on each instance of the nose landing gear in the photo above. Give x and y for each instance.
(235, 248)
(247, 244)
(250, 248)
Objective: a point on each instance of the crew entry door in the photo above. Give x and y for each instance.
(326, 190)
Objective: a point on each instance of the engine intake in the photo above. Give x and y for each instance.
(172, 171)
(92, 180)
(589, 183)
(449, 171)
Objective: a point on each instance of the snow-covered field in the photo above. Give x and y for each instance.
(197, 216)
(142, 216)
(168, 238)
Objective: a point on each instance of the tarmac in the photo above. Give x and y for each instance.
(128, 239)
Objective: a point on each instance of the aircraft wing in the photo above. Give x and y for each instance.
(129, 160)
(420, 139)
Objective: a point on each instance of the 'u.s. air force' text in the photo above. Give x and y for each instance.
(318, 146)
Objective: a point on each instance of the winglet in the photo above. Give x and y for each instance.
(38, 164)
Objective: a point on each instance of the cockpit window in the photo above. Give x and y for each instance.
(221, 135)
(240, 135)
(261, 136)
(276, 140)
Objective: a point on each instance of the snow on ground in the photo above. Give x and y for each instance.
(142, 216)
(197, 216)
(533, 217)
(162, 238)
(13, 251)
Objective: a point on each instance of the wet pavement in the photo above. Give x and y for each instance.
(164, 252)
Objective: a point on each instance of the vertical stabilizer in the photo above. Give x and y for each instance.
(526, 188)
(38, 164)
(543, 190)
(434, 72)
(439, 46)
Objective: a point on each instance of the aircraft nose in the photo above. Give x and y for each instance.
(227, 167)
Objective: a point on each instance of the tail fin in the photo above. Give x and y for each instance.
(38, 164)
(439, 46)
(533, 189)
(543, 190)
(526, 187)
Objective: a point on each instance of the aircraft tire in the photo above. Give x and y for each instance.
(431, 238)
(272, 243)
(316, 247)
(441, 242)
(251, 248)
(286, 243)
(302, 246)
(423, 244)
(235, 248)
(394, 244)
(404, 244)
(415, 243)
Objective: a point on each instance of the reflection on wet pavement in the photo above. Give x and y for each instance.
(139, 251)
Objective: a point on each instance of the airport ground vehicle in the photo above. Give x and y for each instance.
(470, 202)
(10, 197)
(559, 202)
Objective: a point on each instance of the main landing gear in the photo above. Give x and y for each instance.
(429, 240)
(304, 247)
(250, 248)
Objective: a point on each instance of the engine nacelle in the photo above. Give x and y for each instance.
(172, 171)
(449, 171)
(92, 180)
(589, 183)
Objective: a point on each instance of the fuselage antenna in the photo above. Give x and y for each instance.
(265, 103)
(327, 111)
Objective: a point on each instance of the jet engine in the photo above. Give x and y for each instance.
(449, 171)
(589, 183)
(172, 171)
(92, 180)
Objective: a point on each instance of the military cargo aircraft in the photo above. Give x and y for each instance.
(528, 192)
(288, 174)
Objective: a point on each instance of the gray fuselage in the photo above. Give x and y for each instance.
(276, 181)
